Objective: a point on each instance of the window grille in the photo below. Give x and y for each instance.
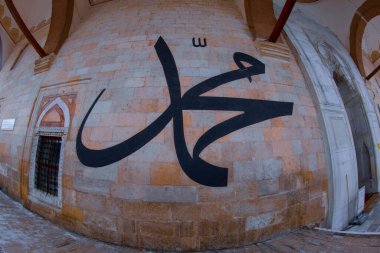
(47, 164)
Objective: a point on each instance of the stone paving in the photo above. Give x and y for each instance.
(372, 224)
(22, 231)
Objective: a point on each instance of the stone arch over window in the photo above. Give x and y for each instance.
(45, 178)
(55, 106)
(367, 11)
(61, 19)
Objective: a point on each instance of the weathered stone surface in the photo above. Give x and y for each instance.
(103, 173)
(91, 185)
(171, 194)
(262, 221)
(44, 64)
(276, 168)
(21, 225)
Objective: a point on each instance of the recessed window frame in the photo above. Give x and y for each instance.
(34, 191)
(36, 195)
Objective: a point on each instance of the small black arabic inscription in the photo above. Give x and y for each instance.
(199, 43)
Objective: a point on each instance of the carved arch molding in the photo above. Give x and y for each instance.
(260, 16)
(61, 19)
(367, 11)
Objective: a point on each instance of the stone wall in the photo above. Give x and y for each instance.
(276, 179)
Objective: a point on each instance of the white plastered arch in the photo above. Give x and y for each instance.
(64, 108)
(307, 38)
(336, 54)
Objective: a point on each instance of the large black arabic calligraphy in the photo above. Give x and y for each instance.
(202, 172)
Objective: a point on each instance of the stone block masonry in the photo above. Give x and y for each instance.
(277, 174)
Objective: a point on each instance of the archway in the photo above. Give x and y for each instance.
(360, 130)
(320, 54)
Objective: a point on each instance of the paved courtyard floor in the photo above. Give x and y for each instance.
(22, 231)
(372, 224)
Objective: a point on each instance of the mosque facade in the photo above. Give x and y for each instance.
(177, 125)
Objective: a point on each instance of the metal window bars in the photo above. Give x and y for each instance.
(47, 164)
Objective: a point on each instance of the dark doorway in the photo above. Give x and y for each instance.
(360, 131)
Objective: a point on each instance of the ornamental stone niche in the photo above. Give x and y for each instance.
(45, 178)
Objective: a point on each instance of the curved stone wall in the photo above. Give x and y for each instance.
(276, 170)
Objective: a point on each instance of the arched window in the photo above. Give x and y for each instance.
(47, 153)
